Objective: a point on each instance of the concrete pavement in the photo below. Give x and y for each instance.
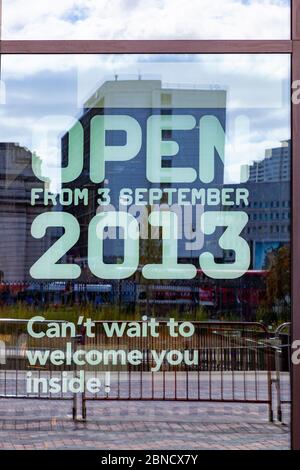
(32, 424)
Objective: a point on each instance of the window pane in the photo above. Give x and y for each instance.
(205, 138)
(147, 19)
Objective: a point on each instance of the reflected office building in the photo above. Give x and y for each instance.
(269, 207)
(140, 99)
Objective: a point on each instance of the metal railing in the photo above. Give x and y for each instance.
(282, 350)
(15, 366)
(234, 362)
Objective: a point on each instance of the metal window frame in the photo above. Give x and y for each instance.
(291, 46)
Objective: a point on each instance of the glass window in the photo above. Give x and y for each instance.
(92, 146)
(147, 19)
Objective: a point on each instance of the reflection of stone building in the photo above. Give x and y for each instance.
(18, 249)
(140, 99)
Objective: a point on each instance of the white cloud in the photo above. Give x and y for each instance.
(145, 19)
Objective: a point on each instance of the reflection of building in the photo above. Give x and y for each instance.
(276, 166)
(140, 99)
(18, 249)
(151, 94)
(269, 207)
(269, 218)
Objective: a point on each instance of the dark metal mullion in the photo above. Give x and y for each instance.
(146, 46)
(295, 376)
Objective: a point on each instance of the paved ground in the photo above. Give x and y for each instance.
(31, 424)
(47, 424)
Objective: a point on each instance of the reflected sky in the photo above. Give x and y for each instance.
(46, 93)
(146, 19)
